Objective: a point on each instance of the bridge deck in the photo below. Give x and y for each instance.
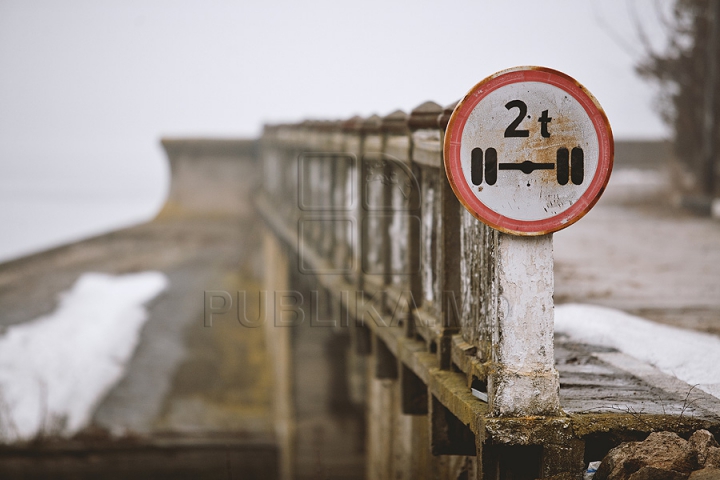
(602, 390)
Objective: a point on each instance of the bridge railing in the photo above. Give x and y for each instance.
(366, 210)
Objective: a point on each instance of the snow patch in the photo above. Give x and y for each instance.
(55, 369)
(691, 356)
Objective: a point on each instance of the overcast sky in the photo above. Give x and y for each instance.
(87, 87)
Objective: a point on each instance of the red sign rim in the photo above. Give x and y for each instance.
(453, 136)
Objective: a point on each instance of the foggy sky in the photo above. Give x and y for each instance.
(88, 87)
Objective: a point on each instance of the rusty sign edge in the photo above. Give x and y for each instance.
(450, 143)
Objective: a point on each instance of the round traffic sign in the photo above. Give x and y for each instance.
(528, 151)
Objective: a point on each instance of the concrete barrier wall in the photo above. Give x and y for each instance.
(210, 176)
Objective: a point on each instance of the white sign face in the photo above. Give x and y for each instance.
(528, 151)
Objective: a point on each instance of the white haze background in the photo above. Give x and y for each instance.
(87, 88)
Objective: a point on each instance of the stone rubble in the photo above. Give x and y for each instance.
(663, 456)
(702, 442)
(707, 473)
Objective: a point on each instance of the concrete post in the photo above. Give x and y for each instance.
(280, 349)
(523, 380)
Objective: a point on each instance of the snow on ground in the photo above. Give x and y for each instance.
(691, 356)
(55, 369)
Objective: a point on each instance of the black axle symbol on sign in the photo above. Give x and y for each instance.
(570, 166)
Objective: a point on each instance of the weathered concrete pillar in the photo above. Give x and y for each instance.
(351, 147)
(383, 406)
(523, 379)
(278, 344)
(210, 176)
